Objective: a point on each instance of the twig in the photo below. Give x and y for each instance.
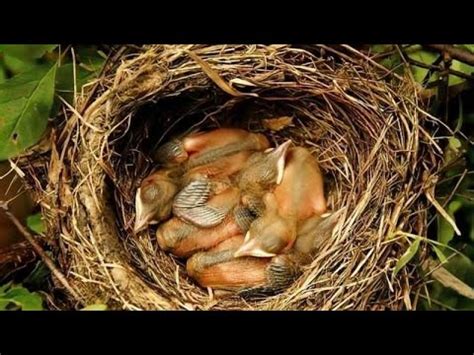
(46, 259)
(438, 68)
(439, 303)
(393, 50)
(453, 192)
(461, 54)
(429, 193)
(447, 279)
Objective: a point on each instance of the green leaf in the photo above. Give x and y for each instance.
(461, 67)
(20, 58)
(90, 58)
(445, 230)
(17, 66)
(25, 104)
(4, 287)
(380, 48)
(21, 297)
(442, 258)
(3, 74)
(65, 83)
(469, 46)
(407, 256)
(35, 223)
(95, 307)
(26, 52)
(426, 57)
(452, 151)
(65, 80)
(462, 268)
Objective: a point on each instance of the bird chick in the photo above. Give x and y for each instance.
(184, 239)
(203, 182)
(154, 197)
(284, 269)
(205, 147)
(199, 205)
(299, 196)
(262, 172)
(219, 269)
(314, 231)
(269, 234)
(225, 167)
(171, 153)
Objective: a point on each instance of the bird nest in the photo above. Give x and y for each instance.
(364, 125)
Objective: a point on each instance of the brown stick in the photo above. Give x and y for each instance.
(438, 68)
(461, 54)
(46, 259)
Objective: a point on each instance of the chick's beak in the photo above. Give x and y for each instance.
(140, 224)
(141, 217)
(250, 247)
(280, 155)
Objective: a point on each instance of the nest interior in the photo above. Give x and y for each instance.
(365, 127)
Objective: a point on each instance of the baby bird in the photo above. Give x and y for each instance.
(154, 197)
(299, 197)
(199, 204)
(201, 183)
(184, 239)
(262, 172)
(224, 167)
(315, 231)
(205, 147)
(219, 269)
(221, 154)
(269, 234)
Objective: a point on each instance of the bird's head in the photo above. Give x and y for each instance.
(268, 235)
(264, 168)
(153, 200)
(171, 153)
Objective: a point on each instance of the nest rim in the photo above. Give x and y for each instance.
(381, 183)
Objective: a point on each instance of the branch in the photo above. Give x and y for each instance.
(438, 68)
(37, 248)
(447, 279)
(461, 54)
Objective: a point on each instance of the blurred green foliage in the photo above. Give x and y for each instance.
(35, 223)
(455, 189)
(32, 77)
(16, 297)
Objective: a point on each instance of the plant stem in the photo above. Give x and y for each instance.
(461, 54)
(39, 250)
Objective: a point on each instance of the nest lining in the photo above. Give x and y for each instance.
(369, 136)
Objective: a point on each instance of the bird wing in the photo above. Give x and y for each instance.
(244, 217)
(281, 272)
(195, 194)
(203, 216)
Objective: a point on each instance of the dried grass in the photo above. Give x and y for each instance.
(369, 135)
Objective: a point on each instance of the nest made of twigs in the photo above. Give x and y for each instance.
(365, 126)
